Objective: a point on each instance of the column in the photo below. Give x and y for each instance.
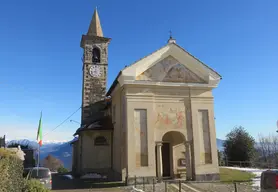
(188, 159)
(159, 160)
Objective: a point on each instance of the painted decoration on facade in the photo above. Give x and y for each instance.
(169, 70)
(179, 73)
(173, 117)
(204, 132)
(141, 137)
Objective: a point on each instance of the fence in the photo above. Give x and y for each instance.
(250, 164)
(193, 186)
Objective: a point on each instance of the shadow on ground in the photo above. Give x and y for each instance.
(60, 183)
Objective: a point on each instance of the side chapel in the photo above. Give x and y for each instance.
(156, 120)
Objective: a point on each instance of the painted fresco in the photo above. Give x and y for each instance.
(169, 70)
(180, 74)
(173, 118)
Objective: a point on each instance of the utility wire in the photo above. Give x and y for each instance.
(63, 121)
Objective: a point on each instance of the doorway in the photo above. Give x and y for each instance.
(166, 160)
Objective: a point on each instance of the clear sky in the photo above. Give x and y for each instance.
(41, 66)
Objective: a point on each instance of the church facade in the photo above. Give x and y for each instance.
(156, 119)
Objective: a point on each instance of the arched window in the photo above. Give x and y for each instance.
(100, 140)
(96, 55)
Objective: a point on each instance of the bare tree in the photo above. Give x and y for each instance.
(52, 163)
(267, 150)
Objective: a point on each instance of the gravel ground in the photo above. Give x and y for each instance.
(221, 187)
(201, 187)
(159, 187)
(94, 190)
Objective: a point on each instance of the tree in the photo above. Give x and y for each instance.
(52, 163)
(62, 170)
(239, 146)
(267, 151)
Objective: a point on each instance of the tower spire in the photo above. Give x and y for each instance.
(95, 26)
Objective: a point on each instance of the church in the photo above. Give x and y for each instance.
(155, 121)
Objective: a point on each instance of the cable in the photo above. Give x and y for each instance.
(63, 121)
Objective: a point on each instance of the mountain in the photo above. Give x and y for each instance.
(63, 150)
(219, 144)
(59, 149)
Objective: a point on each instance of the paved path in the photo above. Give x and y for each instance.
(61, 184)
(89, 190)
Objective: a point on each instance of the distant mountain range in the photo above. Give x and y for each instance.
(63, 150)
(220, 144)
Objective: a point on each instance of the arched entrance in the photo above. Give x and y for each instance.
(170, 151)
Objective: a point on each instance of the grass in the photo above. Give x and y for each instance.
(229, 175)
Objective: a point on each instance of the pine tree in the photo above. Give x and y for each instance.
(239, 146)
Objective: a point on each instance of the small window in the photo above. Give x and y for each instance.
(100, 140)
(96, 55)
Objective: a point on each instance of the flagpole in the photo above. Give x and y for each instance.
(39, 139)
(38, 161)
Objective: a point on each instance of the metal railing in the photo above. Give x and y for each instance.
(250, 164)
(192, 186)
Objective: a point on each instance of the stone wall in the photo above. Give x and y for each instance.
(94, 88)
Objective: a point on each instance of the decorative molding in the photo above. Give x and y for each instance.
(158, 143)
(168, 84)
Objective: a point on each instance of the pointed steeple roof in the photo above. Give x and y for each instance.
(95, 26)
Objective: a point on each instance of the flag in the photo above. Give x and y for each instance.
(39, 134)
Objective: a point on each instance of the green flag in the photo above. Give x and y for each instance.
(39, 134)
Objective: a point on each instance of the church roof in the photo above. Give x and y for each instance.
(95, 26)
(115, 82)
(102, 123)
(99, 119)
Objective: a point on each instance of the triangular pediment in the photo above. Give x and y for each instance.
(169, 65)
(169, 70)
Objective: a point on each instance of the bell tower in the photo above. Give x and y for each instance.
(95, 66)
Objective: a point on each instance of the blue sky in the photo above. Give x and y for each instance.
(41, 66)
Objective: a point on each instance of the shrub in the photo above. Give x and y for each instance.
(62, 170)
(11, 171)
(34, 186)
